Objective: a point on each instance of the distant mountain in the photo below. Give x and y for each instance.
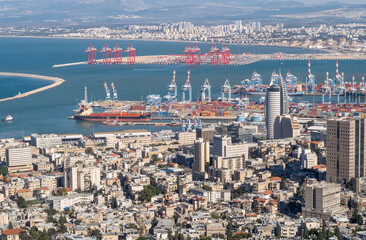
(112, 12)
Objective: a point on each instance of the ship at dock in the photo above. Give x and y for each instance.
(86, 113)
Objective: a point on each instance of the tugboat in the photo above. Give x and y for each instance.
(8, 118)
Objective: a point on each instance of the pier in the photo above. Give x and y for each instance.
(56, 81)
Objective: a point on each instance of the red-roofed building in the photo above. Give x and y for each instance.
(11, 234)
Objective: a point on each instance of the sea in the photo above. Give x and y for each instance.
(47, 111)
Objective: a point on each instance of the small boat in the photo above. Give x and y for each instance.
(8, 118)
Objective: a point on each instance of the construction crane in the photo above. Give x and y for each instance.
(131, 54)
(92, 54)
(117, 54)
(115, 96)
(206, 87)
(226, 88)
(108, 93)
(106, 54)
(172, 90)
(187, 87)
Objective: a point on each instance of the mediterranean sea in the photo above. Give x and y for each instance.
(46, 112)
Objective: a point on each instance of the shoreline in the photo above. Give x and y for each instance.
(56, 82)
(159, 40)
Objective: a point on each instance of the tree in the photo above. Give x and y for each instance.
(114, 203)
(10, 225)
(148, 192)
(356, 218)
(4, 170)
(306, 233)
(337, 233)
(282, 184)
(351, 185)
(96, 233)
(89, 150)
(21, 202)
(61, 192)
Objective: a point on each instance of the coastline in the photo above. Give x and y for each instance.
(158, 40)
(56, 81)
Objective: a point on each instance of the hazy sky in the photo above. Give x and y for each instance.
(325, 1)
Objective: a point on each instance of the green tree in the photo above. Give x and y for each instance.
(61, 192)
(96, 233)
(10, 225)
(4, 170)
(21, 202)
(337, 233)
(351, 185)
(306, 233)
(114, 203)
(356, 217)
(89, 150)
(148, 192)
(282, 184)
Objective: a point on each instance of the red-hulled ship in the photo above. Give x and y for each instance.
(86, 113)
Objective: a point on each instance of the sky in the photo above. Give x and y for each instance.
(325, 1)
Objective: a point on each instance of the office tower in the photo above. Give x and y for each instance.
(345, 149)
(201, 158)
(223, 147)
(322, 200)
(308, 158)
(19, 159)
(286, 126)
(82, 178)
(205, 132)
(276, 104)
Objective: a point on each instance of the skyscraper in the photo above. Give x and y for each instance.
(201, 158)
(276, 104)
(345, 149)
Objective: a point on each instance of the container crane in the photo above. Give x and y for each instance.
(214, 55)
(226, 88)
(172, 90)
(115, 96)
(225, 55)
(92, 54)
(196, 54)
(188, 54)
(106, 54)
(206, 87)
(108, 93)
(117, 54)
(187, 87)
(131, 54)
(310, 81)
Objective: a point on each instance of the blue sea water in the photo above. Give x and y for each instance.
(11, 86)
(46, 112)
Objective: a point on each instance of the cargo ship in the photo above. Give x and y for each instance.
(86, 113)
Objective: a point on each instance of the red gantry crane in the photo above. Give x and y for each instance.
(196, 54)
(131, 54)
(117, 54)
(92, 54)
(214, 55)
(189, 52)
(106, 54)
(225, 55)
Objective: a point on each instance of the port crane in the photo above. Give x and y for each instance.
(226, 88)
(106, 54)
(291, 82)
(196, 54)
(256, 80)
(107, 91)
(214, 55)
(206, 87)
(115, 96)
(172, 90)
(131, 54)
(188, 54)
(310, 81)
(117, 54)
(327, 88)
(92, 54)
(187, 87)
(225, 55)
